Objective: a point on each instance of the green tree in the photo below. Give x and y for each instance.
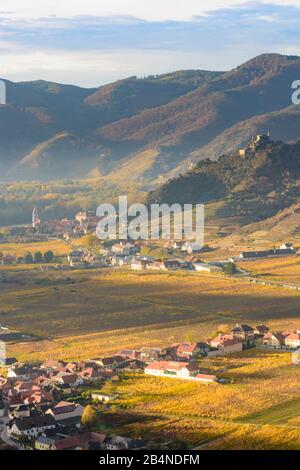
(48, 256)
(230, 269)
(28, 258)
(38, 257)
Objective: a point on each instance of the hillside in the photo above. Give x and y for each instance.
(285, 225)
(155, 126)
(260, 87)
(254, 187)
(38, 111)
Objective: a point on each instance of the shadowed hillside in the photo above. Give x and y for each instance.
(179, 118)
(255, 186)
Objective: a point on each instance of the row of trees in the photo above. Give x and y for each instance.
(39, 257)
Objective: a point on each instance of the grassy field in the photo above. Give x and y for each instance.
(258, 407)
(79, 314)
(59, 247)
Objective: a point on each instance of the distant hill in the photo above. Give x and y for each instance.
(145, 129)
(37, 112)
(186, 129)
(255, 187)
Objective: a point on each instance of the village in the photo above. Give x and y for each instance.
(175, 255)
(58, 406)
(61, 405)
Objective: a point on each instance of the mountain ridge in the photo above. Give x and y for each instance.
(181, 117)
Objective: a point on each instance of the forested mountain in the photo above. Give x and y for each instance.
(145, 128)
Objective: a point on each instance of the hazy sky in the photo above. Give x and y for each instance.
(92, 42)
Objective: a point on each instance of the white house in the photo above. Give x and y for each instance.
(287, 246)
(102, 397)
(138, 264)
(293, 341)
(173, 369)
(31, 426)
(209, 268)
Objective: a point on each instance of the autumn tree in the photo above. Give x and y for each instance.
(90, 417)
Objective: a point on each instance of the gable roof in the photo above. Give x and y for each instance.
(293, 337)
(79, 440)
(168, 365)
(29, 422)
(63, 407)
(242, 328)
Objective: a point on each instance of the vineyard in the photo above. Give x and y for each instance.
(257, 408)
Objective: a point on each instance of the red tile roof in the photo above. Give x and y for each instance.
(167, 365)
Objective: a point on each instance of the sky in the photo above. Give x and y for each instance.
(93, 42)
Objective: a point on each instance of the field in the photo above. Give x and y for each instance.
(285, 269)
(90, 313)
(58, 247)
(258, 407)
(80, 314)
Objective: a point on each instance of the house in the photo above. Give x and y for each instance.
(193, 259)
(132, 364)
(102, 397)
(75, 256)
(38, 398)
(87, 441)
(191, 247)
(65, 410)
(51, 365)
(172, 369)
(209, 268)
(139, 264)
(149, 355)
(8, 361)
(167, 265)
(124, 443)
(90, 374)
(244, 332)
(20, 411)
(261, 330)
(124, 249)
(226, 344)
(20, 373)
(111, 362)
(293, 341)
(30, 426)
(274, 340)
(72, 380)
(187, 351)
(206, 378)
(129, 353)
(287, 246)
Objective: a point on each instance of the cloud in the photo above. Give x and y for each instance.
(156, 10)
(92, 50)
